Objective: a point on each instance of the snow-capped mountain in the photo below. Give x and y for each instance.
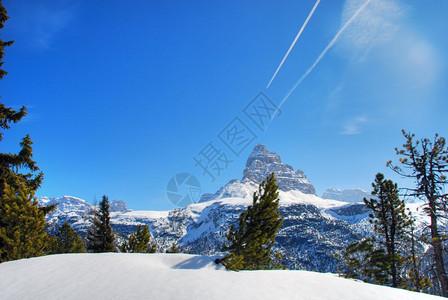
(118, 206)
(76, 212)
(69, 209)
(351, 195)
(314, 228)
(262, 163)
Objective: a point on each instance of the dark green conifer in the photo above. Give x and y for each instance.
(390, 222)
(425, 161)
(413, 277)
(173, 249)
(3, 18)
(251, 244)
(22, 234)
(12, 164)
(139, 241)
(66, 240)
(21, 219)
(366, 262)
(100, 237)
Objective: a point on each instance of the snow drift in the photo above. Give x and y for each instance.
(172, 276)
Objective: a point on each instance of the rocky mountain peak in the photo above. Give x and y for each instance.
(118, 206)
(262, 162)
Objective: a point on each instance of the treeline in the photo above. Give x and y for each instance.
(22, 220)
(101, 238)
(393, 255)
(390, 255)
(400, 252)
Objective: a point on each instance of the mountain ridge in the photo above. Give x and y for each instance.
(313, 231)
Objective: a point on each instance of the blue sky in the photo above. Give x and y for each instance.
(122, 95)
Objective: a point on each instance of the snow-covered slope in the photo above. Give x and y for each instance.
(173, 276)
(314, 229)
(76, 212)
(352, 196)
(69, 209)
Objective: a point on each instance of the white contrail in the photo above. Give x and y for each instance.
(295, 41)
(333, 41)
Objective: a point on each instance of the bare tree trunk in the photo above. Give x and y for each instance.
(414, 263)
(438, 255)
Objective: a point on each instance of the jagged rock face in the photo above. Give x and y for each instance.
(351, 196)
(351, 210)
(308, 240)
(313, 230)
(118, 206)
(166, 228)
(309, 237)
(69, 209)
(67, 204)
(234, 188)
(261, 163)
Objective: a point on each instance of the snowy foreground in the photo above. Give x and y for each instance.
(172, 276)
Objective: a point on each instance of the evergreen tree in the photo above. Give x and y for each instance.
(22, 234)
(413, 279)
(3, 18)
(19, 212)
(173, 249)
(11, 164)
(366, 262)
(66, 240)
(426, 162)
(100, 237)
(390, 221)
(252, 242)
(139, 241)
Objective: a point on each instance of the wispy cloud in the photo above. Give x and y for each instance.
(376, 25)
(50, 22)
(324, 52)
(410, 57)
(414, 60)
(41, 21)
(295, 41)
(333, 99)
(354, 125)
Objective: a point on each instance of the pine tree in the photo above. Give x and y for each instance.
(390, 221)
(252, 242)
(426, 162)
(66, 240)
(10, 164)
(3, 18)
(173, 249)
(139, 241)
(413, 279)
(100, 237)
(22, 234)
(367, 262)
(21, 219)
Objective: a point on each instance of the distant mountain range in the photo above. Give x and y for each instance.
(315, 228)
(352, 195)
